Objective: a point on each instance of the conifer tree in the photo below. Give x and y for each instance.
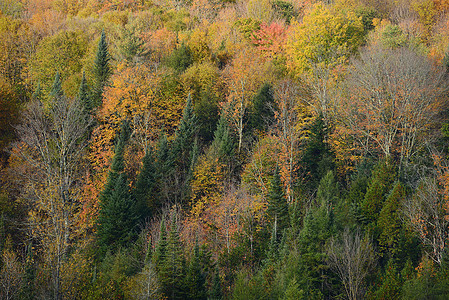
(160, 252)
(102, 70)
(118, 216)
(37, 95)
(277, 205)
(27, 290)
(56, 90)
(182, 150)
(262, 112)
(196, 279)
(83, 94)
(172, 271)
(223, 142)
(216, 293)
(145, 190)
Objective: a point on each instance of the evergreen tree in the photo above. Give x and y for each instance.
(102, 70)
(182, 150)
(83, 94)
(277, 210)
(146, 189)
(27, 291)
(223, 142)
(181, 58)
(37, 95)
(317, 159)
(216, 293)
(56, 90)
(172, 271)
(196, 279)
(262, 112)
(118, 216)
(160, 253)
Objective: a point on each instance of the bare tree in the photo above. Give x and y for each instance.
(391, 99)
(352, 258)
(52, 142)
(11, 275)
(427, 214)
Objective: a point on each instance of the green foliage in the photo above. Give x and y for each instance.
(216, 293)
(277, 210)
(172, 270)
(284, 9)
(28, 290)
(247, 27)
(318, 158)
(393, 37)
(180, 59)
(118, 216)
(146, 190)
(102, 70)
(84, 94)
(196, 278)
(56, 90)
(261, 114)
(380, 184)
(367, 14)
(206, 111)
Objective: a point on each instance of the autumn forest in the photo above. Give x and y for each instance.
(224, 149)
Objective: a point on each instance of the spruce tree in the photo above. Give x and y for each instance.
(172, 271)
(182, 150)
(118, 216)
(102, 70)
(56, 89)
(160, 253)
(216, 293)
(27, 290)
(223, 142)
(196, 279)
(145, 190)
(277, 210)
(83, 94)
(262, 112)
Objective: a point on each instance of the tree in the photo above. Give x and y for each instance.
(352, 258)
(394, 95)
(84, 96)
(145, 190)
(52, 144)
(172, 271)
(318, 46)
(102, 70)
(277, 209)
(261, 115)
(195, 278)
(118, 215)
(244, 76)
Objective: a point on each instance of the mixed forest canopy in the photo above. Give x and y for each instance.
(224, 149)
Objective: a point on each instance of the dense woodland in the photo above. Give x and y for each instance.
(220, 149)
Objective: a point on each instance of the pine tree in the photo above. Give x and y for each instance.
(102, 70)
(56, 90)
(277, 210)
(83, 94)
(37, 95)
(223, 142)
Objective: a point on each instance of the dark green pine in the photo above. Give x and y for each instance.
(277, 205)
(216, 293)
(102, 70)
(27, 290)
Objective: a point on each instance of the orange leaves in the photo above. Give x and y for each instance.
(270, 39)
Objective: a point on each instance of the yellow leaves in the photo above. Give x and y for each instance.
(324, 37)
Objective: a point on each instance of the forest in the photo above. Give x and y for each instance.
(224, 149)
